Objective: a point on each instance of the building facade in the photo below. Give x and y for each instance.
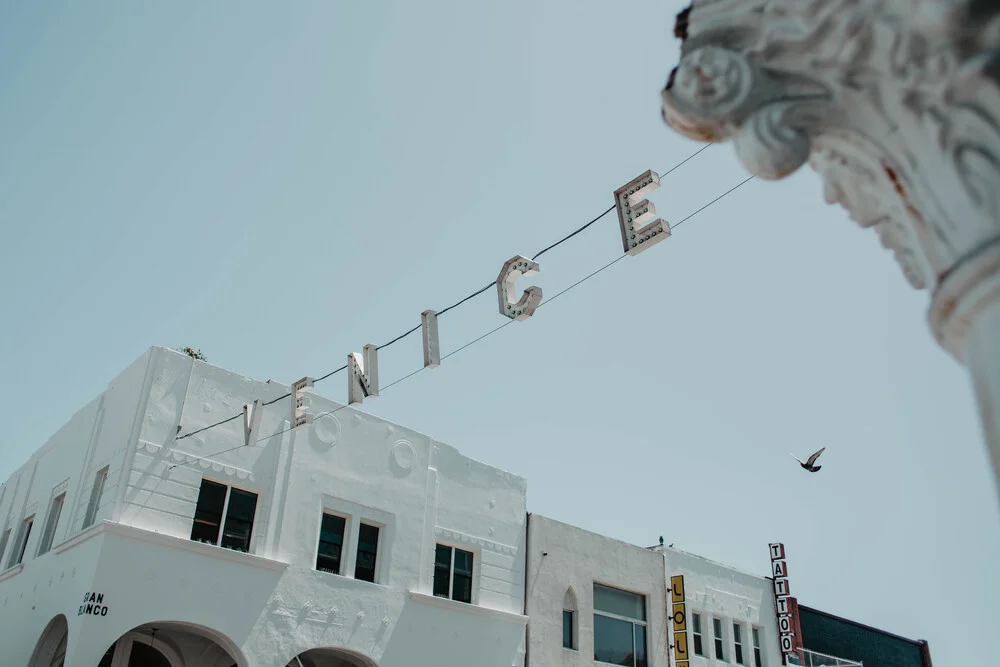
(348, 542)
(825, 635)
(159, 528)
(595, 600)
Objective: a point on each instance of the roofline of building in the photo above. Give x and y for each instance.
(47, 445)
(661, 549)
(915, 642)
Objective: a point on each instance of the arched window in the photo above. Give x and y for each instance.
(570, 620)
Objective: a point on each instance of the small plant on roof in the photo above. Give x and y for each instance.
(193, 353)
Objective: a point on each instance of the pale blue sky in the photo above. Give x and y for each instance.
(281, 184)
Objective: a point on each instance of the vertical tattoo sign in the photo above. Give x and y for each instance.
(678, 617)
(779, 570)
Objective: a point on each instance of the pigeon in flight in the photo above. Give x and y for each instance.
(808, 465)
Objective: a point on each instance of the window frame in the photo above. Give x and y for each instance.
(96, 493)
(344, 540)
(719, 639)
(476, 566)
(224, 515)
(633, 621)
(697, 635)
(738, 642)
(758, 649)
(4, 541)
(573, 643)
(21, 541)
(51, 522)
(377, 574)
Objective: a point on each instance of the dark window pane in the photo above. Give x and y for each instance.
(208, 513)
(756, 658)
(364, 568)
(619, 603)
(640, 645)
(698, 648)
(613, 641)
(568, 629)
(719, 655)
(737, 633)
(239, 520)
(461, 588)
(696, 620)
(3, 542)
(442, 570)
(24, 541)
(331, 543)
(739, 654)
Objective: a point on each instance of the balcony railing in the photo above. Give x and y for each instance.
(814, 659)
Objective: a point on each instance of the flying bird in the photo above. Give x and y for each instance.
(808, 464)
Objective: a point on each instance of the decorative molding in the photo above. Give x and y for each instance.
(204, 463)
(896, 104)
(481, 542)
(897, 108)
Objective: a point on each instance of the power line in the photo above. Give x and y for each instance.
(487, 287)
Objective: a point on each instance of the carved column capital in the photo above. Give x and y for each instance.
(896, 104)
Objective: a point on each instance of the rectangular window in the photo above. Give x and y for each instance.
(23, 533)
(364, 567)
(331, 543)
(568, 639)
(453, 573)
(699, 648)
(720, 654)
(239, 520)
(51, 522)
(619, 627)
(95, 497)
(738, 643)
(3, 543)
(216, 501)
(757, 661)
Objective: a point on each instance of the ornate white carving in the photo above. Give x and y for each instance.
(896, 104)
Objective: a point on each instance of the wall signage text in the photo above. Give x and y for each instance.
(678, 617)
(93, 605)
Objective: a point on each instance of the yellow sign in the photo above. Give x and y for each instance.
(680, 617)
(683, 663)
(680, 646)
(677, 588)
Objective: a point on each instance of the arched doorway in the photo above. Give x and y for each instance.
(161, 644)
(50, 651)
(330, 657)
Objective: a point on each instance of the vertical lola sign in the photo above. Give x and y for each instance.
(782, 600)
(679, 617)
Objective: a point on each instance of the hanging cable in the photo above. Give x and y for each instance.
(487, 287)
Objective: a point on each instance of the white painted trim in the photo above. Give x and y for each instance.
(465, 608)
(122, 530)
(11, 571)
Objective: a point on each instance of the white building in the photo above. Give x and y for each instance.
(350, 542)
(592, 599)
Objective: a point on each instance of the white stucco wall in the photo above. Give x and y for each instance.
(718, 591)
(271, 603)
(577, 558)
